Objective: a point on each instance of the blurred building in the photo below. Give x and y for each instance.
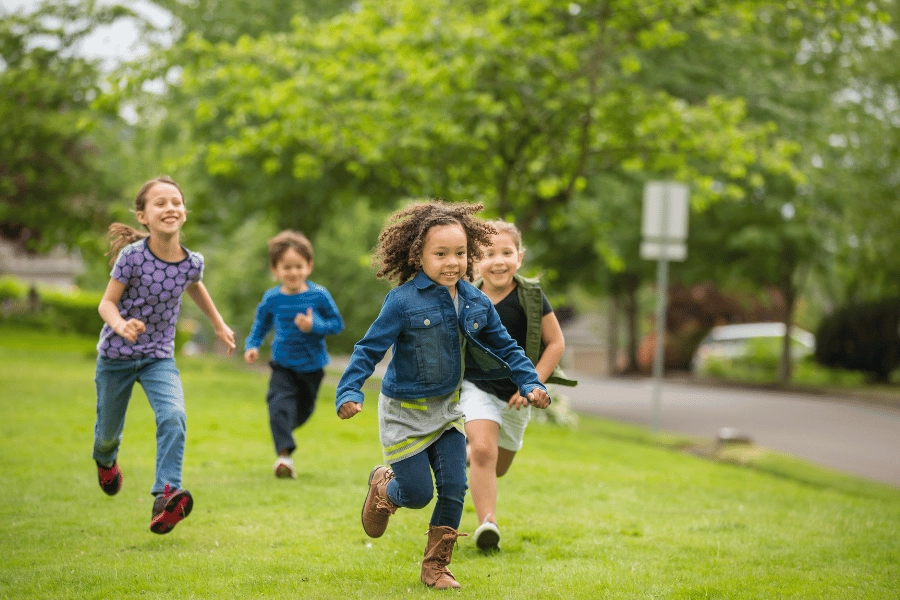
(57, 268)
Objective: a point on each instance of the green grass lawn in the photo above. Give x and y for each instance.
(600, 511)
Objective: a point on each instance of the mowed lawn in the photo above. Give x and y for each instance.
(599, 511)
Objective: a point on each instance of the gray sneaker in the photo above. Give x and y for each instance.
(487, 536)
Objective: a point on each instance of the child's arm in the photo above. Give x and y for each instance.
(262, 324)
(523, 372)
(324, 320)
(109, 311)
(367, 353)
(554, 346)
(197, 292)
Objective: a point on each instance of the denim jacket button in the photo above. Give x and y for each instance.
(475, 326)
(427, 322)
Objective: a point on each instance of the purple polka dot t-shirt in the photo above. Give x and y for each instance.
(153, 289)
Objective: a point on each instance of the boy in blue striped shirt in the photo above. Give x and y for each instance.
(302, 313)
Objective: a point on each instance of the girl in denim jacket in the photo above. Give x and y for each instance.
(441, 329)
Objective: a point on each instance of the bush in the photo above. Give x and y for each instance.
(862, 337)
(72, 312)
(12, 288)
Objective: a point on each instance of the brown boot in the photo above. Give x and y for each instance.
(377, 509)
(438, 553)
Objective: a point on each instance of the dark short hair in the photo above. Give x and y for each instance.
(289, 240)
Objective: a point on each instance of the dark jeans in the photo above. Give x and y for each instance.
(412, 486)
(291, 400)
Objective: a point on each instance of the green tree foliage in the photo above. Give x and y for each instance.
(512, 103)
(857, 168)
(552, 113)
(229, 20)
(53, 184)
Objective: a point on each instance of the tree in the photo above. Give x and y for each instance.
(512, 103)
(53, 183)
(521, 104)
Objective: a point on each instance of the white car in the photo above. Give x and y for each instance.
(732, 341)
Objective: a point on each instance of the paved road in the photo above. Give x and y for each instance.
(845, 435)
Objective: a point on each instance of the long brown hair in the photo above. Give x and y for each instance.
(119, 234)
(399, 249)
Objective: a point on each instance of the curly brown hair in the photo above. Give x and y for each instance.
(399, 250)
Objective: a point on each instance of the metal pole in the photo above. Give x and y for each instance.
(662, 297)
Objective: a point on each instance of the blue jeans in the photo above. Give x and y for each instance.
(161, 382)
(412, 486)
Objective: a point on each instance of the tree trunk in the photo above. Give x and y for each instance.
(612, 335)
(785, 363)
(631, 309)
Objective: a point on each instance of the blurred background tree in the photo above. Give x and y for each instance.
(324, 116)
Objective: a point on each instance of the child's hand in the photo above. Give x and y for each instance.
(304, 321)
(251, 355)
(517, 401)
(131, 329)
(539, 398)
(349, 409)
(225, 334)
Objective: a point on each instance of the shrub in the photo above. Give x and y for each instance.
(12, 288)
(862, 337)
(72, 312)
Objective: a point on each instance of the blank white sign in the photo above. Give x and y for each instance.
(675, 196)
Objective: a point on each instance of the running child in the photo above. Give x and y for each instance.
(496, 413)
(440, 327)
(140, 308)
(302, 313)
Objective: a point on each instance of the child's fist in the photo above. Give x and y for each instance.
(539, 398)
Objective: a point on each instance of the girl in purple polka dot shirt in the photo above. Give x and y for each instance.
(137, 344)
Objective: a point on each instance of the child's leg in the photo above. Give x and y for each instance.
(115, 380)
(307, 391)
(412, 485)
(448, 461)
(162, 383)
(482, 435)
(282, 401)
(511, 436)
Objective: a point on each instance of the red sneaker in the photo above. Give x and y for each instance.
(110, 478)
(169, 508)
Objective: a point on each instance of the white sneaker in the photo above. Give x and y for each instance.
(487, 536)
(284, 468)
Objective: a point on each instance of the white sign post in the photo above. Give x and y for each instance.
(664, 229)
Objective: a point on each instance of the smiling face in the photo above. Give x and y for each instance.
(292, 270)
(164, 212)
(501, 261)
(443, 255)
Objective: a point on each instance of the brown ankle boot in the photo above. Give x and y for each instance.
(438, 553)
(377, 509)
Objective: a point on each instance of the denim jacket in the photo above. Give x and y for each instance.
(419, 320)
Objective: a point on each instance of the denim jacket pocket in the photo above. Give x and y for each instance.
(427, 334)
(475, 321)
